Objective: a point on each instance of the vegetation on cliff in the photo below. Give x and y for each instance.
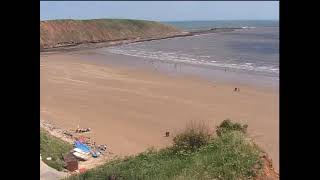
(195, 154)
(56, 33)
(54, 148)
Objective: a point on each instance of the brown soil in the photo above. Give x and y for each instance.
(60, 33)
(268, 172)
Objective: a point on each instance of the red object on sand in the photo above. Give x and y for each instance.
(82, 170)
(82, 139)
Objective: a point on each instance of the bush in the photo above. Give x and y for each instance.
(229, 156)
(194, 136)
(227, 126)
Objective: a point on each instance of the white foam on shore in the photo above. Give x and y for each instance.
(248, 27)
(190, 59)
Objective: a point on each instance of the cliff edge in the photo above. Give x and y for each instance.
(61, 33)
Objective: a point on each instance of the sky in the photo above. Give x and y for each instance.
(161, 10)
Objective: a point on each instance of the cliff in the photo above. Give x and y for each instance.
(60, 33)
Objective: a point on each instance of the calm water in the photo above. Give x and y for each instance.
(198, 25)
(251, 50)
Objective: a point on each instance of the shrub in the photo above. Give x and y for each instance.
(229, 156)
(192, 138)
(227, 126)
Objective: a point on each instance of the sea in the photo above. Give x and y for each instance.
(252, 49)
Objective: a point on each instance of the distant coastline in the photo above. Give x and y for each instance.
(201, 25)
(97, 33)
(99, 44)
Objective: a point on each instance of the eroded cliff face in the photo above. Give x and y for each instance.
(57, 33)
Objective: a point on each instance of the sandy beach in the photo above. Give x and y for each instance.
(130, 109)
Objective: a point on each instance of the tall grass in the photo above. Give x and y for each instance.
(228, 156)
(55, 148)
(227, 126)
(192, 138)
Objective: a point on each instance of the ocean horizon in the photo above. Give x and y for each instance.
(192, 25)
(254, 48)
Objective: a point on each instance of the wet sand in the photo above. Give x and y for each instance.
(130, 109)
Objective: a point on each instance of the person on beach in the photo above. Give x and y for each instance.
(153, 65)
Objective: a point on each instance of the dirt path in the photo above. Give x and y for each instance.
(48, 173)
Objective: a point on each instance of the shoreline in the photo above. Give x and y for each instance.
(179, 69)
(98, 53)
(129, 109)
(93, 45)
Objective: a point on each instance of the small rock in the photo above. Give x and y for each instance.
(49, 158)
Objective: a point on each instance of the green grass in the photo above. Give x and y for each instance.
(227, 126)
(228, 156)
(55, 148)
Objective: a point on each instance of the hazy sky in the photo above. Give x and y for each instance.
(161, 10)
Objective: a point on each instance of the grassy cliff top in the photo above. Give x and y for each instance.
(195, 154)
(67, 31)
